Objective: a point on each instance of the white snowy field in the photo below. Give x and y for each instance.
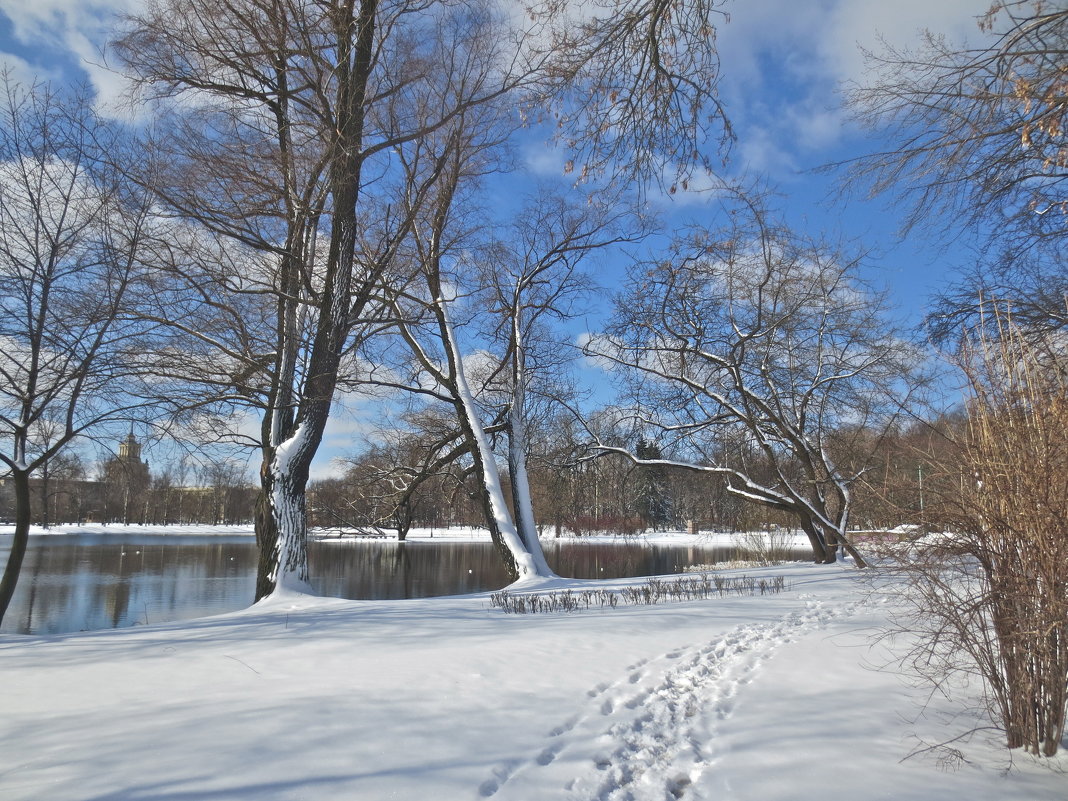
(750, 698)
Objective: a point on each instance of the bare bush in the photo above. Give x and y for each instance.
(991, 598)
(649, 593)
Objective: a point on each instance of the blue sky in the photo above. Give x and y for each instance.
(783, 63)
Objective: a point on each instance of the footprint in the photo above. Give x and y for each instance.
(566, 726)
(607, 708)
(635, 677)
(600, 688)
(547, 756)
(488, 788)
(678, 786)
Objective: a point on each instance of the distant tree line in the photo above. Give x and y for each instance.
(576, 495)
(123, 490)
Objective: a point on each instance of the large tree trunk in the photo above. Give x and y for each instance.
(21, 481)
(830, 545)
(521, 500)
(825, 541)
(281, 522)
(815, 539)
(281, 528)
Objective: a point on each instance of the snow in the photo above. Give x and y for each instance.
(134, 530)
(791, 539)
(767, 697)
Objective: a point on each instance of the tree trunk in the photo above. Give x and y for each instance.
(402, 516)
(21, 480)
(44, 495)
(281, 532)
(521, 500)
(843, 539)
(517, 559)
(281, 521)
(830, 546)
(815, 539)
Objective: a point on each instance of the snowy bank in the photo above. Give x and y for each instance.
(762, 698)
(135, 530)
(782, 539)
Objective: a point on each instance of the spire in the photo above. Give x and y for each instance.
(130, 448)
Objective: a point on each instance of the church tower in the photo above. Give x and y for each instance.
(126, 480)
(130, 449)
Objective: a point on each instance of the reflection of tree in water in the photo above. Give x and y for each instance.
(119, 602)
(592, 560)
(80, 583)
(391, 570)
(92, 583)
(595, 560)
(32, 578)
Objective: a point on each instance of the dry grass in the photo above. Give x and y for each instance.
(993, 600)
(653, 591)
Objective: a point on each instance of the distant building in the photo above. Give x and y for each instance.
(130, 449)
(126, 493)
(126, 481)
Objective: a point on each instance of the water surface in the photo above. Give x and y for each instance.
(84, 581)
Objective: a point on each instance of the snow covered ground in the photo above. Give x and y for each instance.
(748, 698)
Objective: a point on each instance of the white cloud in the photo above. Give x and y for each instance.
(22, 72)
(71, 30)
(862, 24)
(784, 63)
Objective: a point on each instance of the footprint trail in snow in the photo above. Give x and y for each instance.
(650, 734)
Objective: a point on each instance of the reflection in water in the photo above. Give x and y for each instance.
(82, 582)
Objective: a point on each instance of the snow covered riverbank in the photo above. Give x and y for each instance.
(780, 539)
(761, 698)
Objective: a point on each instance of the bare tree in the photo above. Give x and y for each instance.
(977, 133)
(744, 349)
(516, 284)
(70, 235)
(291, 109)
(1033, 283)
(423, 314)
(269, 156)
(529, 280)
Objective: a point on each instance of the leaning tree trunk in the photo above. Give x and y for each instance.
(21, 481)
(515, 554)
(521, 499)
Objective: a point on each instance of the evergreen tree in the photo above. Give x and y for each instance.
(651, 498)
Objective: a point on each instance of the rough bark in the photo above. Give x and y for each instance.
(819, 550)
(281, 533)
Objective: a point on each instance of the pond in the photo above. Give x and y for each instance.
(83, 582)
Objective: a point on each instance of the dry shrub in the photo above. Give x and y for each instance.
(648, 593)
(991, 598)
